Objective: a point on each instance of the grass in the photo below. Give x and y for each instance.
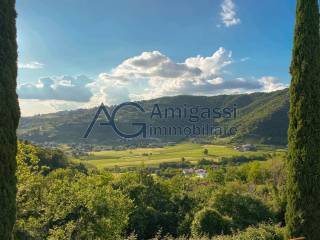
(155, 156)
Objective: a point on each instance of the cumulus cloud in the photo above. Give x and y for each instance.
(58, 88)
(152, 74)
(229, 14)
(31, 65)
(150, 64)
(270, 84)
(147, 76)
(109, 90)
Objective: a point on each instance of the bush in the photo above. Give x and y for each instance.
(217, 175)
(66, 204)
(52, 158)
(204, 162)
(242, 159)
(244, 209)
(205, 152)
(209, 222)
(262, 232)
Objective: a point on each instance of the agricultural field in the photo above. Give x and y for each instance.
(155, 156)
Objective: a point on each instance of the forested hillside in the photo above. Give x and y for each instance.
(261, 117)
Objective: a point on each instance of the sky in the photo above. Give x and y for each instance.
(78, 53)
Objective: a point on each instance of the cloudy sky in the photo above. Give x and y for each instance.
(79, 53)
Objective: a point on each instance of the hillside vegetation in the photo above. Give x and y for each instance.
(261, 117)
(57, 199)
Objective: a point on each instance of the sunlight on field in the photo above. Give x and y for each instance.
(155, 156)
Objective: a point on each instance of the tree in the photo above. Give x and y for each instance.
(303, 163)
(29, 184)
(66, 204)
(9, 112)
(154, 209)
(244, 209)
(205, 152)
(209, 222)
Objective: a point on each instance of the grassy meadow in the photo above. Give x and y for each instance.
(155, 156)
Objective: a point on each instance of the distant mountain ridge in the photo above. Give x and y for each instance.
(262, 118)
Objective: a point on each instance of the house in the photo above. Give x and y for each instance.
(188, 171)
(201, 173)
(245, 148)
(215, 166)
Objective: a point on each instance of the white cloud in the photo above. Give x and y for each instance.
(159, 76)
(271, 84)
(57, 88)
(109, 90)
(150, 64)
(211, 66)
(229, 14)
(31, 65)
(31, 107)
(245, 59)
(146, 76)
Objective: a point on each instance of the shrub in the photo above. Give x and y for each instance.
(262, 232)
(244, 209)
(209, 222)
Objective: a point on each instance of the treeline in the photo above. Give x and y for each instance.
(261, 117)
(65, 201)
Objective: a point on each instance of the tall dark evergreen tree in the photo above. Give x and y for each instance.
(9, 117)
(303, 183)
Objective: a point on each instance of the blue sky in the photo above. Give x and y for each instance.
(78, 53)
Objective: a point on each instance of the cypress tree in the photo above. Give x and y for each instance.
(303, 163)
(9, 117)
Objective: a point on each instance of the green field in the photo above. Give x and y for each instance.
(155, 156)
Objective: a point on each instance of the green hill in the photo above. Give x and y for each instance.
(261, 117)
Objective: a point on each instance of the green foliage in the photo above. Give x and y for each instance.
(243, 209)
(241, 159)
(217, 175)
(154, 206)
(52, 158)
(303, 195)
(66, 204)
(182, 164)
(264, 118)
(209, 222)
(205, 151)
(204, 162)
(262, 232)
(170, 156)
(10, 114)
(255, 172)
